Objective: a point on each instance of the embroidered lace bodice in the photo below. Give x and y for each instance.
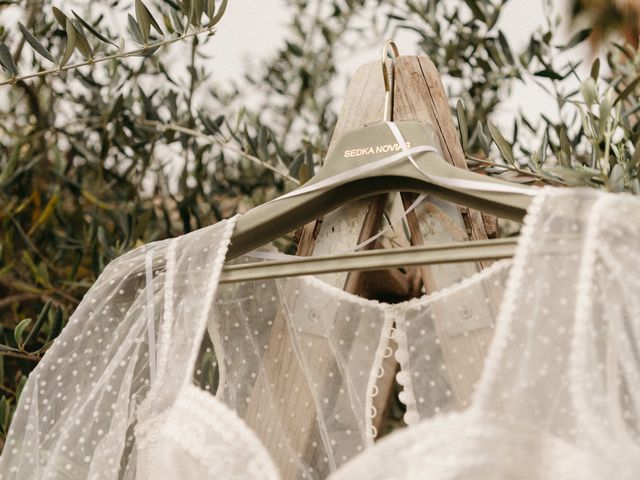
(529, 369)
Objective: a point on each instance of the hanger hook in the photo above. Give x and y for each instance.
(389, 48)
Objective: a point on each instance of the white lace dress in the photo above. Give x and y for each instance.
(529, 369)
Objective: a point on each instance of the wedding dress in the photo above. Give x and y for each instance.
(163, 374)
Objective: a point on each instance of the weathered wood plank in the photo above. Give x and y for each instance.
(420, 95)
(337, 231)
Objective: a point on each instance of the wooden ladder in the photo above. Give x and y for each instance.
(419, 95)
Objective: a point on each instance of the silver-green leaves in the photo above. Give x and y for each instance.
(6, 60)
(589, 91)
(145, 21)
(92, 29)
(76, 38)
(462, 125)
(178, 20)
(135, 30)
(35, 43)
(71, 43)
(194, 9)
(20, 331)
(503, 145)
(211, 11)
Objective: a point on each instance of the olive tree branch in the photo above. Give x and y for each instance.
(195, 133)
(489, 163)
(118, 55)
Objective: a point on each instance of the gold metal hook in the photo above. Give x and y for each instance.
(389, 77)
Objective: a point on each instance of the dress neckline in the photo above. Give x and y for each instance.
(523, 240)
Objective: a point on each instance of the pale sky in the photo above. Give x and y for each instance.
(253, 29)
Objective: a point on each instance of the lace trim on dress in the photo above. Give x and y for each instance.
(508, 307)
(584, 327)
(151, 315)
(202, 411)
(413, 302)
(211, 290)
(167, 318)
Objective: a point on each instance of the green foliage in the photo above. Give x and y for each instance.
(85, 155)
(139, 31)
(479, 66)
(104, 146)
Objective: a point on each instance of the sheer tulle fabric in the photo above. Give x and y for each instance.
(112, 399)
(77, 409)
(298, 364)
(559, 396)
(160, 374)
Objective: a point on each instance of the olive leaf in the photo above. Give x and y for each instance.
(82, 43)
(605, 110)
(19, 331)
(579, 37)
(295, 165)
(504, 146)
(565, 147)
(589, 91)
(304, 173)
(186, 7)
(629, 89)
(35, 43)
(92, 29)
(595, 69)
(210, 126)
(506, 49)
(218, 16)
(548, 73)
(197, 9)
(75, 37)
(60, 17)
(146, 20)
(71, 42)
(56, 327)
(616, 178)
(176, 22)
(135, 31)
(40, 321)
(5, 414)
(477, 9)
(6, 60)
(211, 8)
(462, 125)
(143, 18)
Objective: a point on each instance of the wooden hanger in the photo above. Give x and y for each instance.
(379, 259)
(271, 220)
